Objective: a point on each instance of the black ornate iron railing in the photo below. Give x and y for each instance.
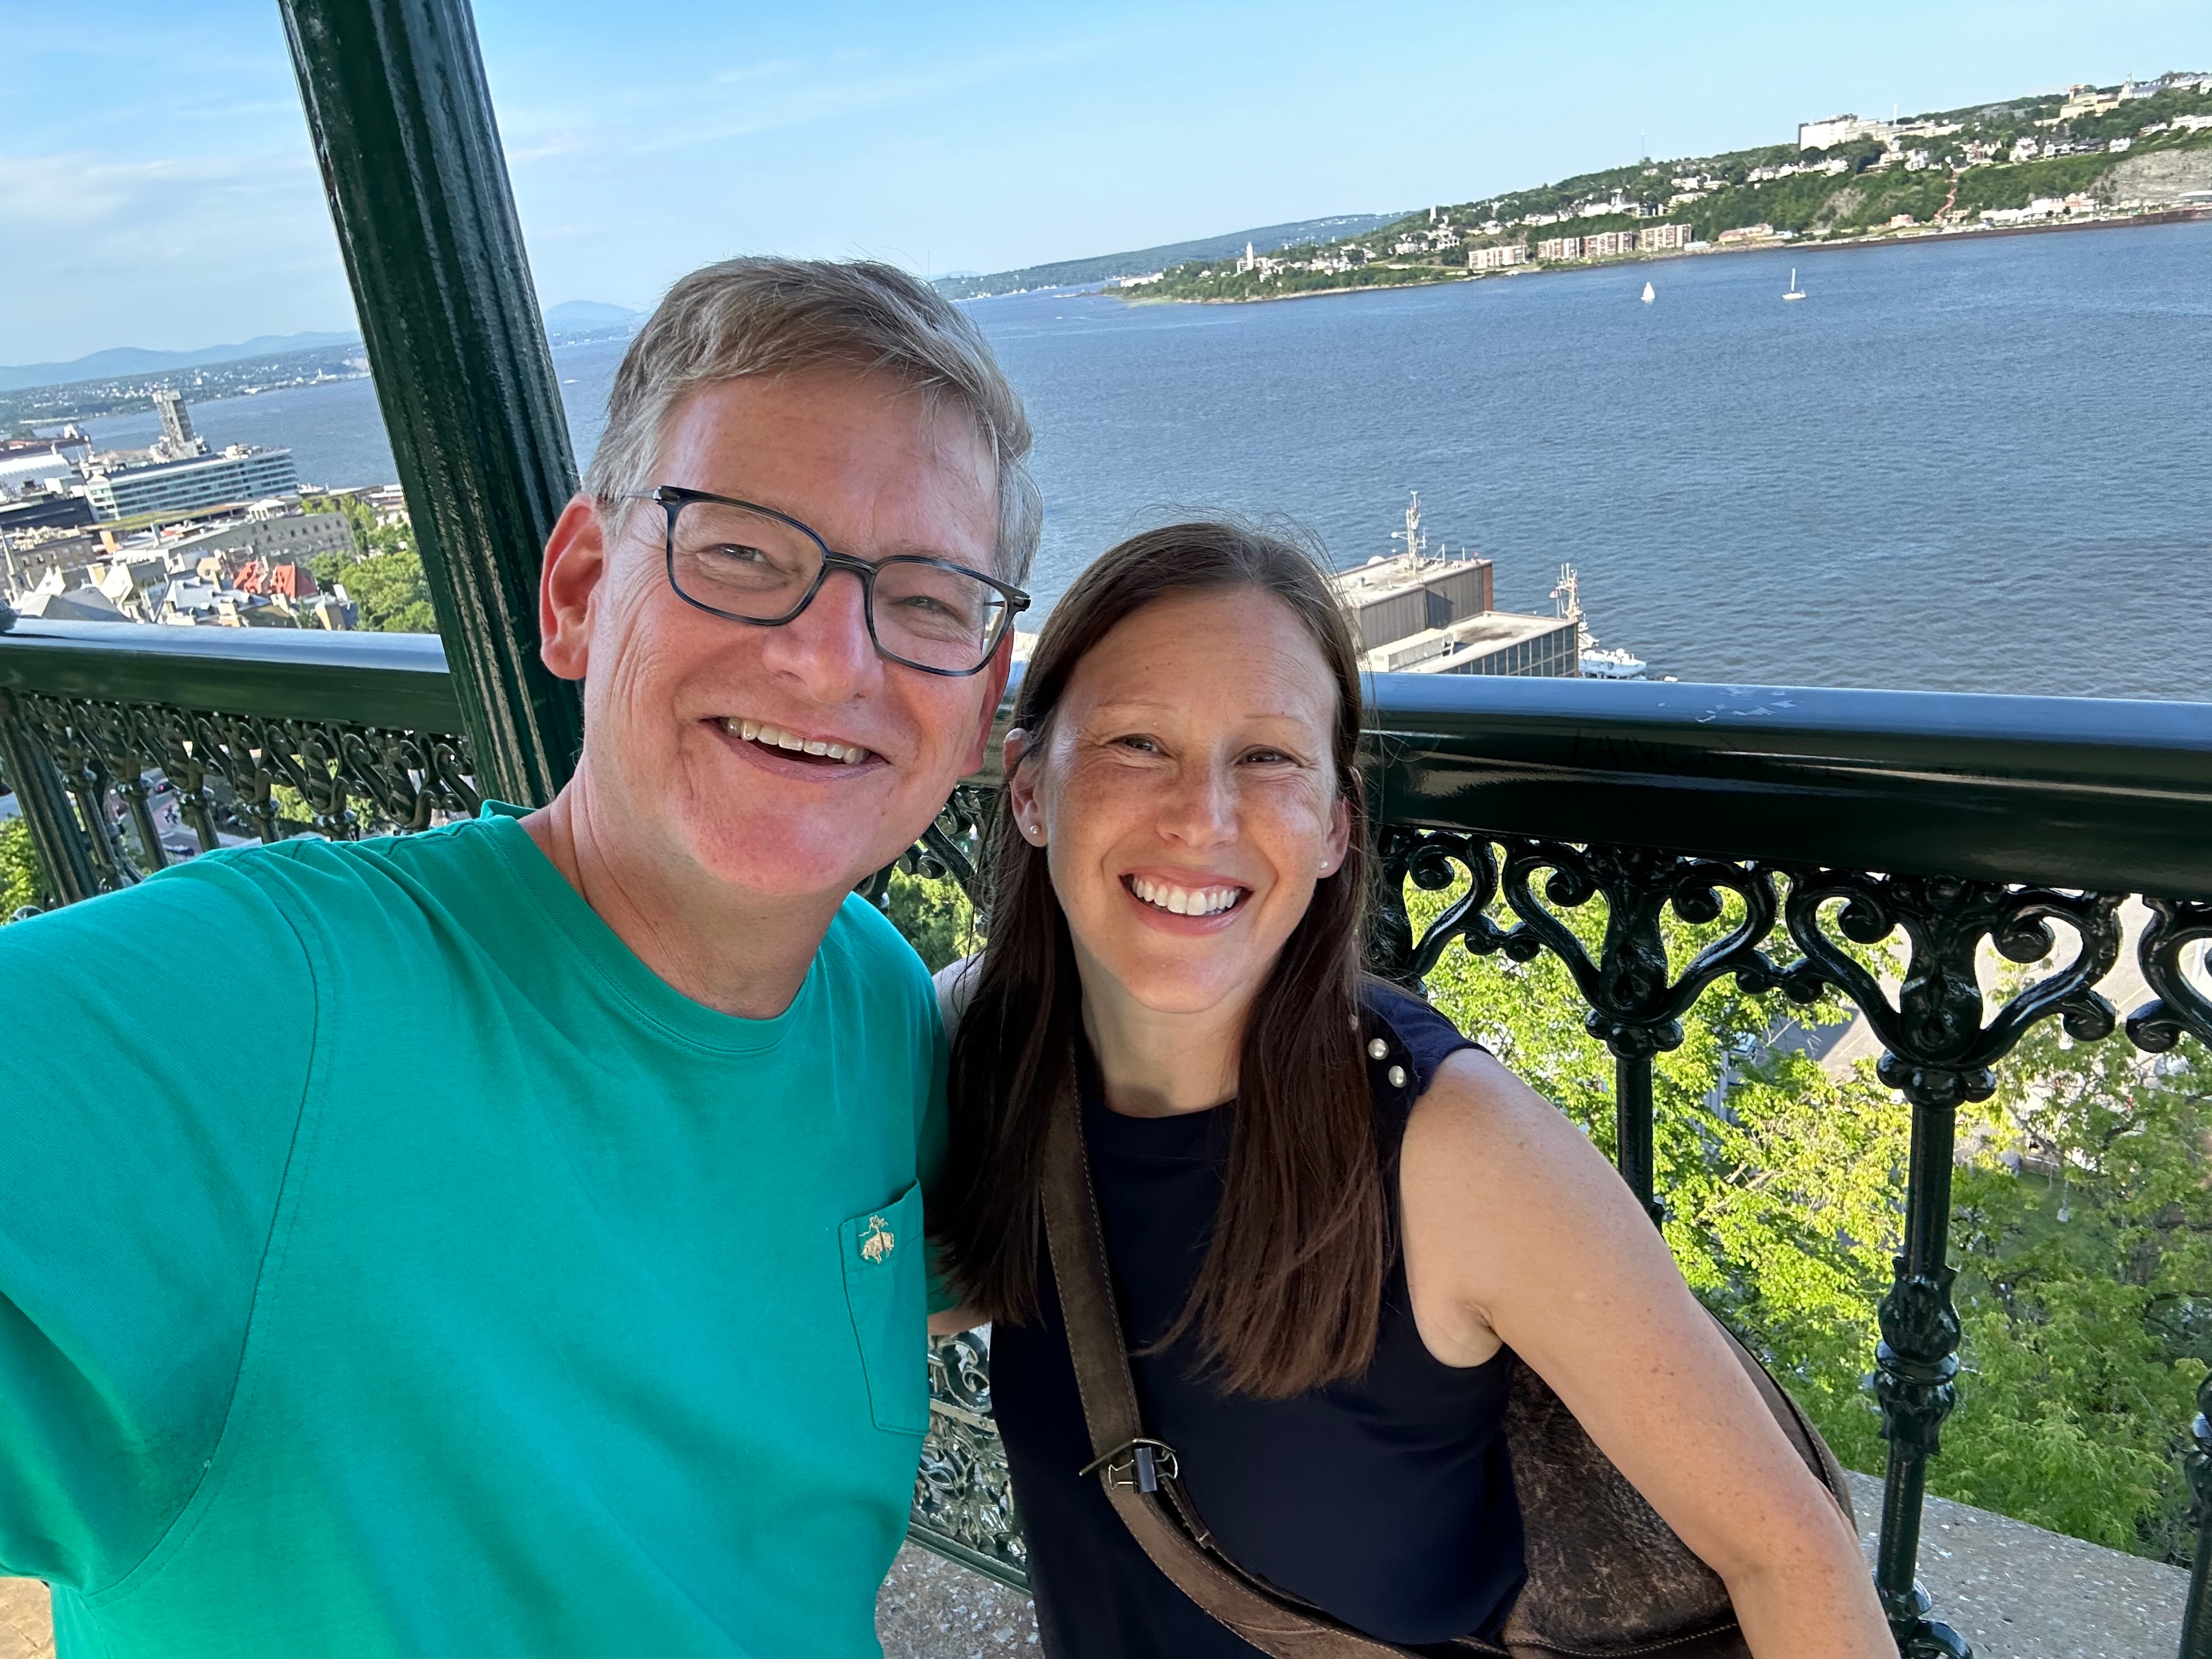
(362, 729)
(1810, 820)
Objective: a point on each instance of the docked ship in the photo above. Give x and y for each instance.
(1419, 614)
(1596, 663)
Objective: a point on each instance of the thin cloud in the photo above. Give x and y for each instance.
(768, 71)
(821, 93)
(162, 251)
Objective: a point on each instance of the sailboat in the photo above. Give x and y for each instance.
(1648, 294)
(1795, 292)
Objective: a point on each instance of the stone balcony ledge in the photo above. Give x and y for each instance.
(2013, 1590)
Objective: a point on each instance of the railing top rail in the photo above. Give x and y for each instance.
(2071, 792)
(398, 680)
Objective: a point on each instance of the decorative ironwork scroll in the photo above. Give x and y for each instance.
(1636, 1003)
(2180, 1005)
(963, 1498)
(1938, 1048)
(954, 845)
(352, 778)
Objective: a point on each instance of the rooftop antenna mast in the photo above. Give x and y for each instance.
(1416, 542)
(1566, 597)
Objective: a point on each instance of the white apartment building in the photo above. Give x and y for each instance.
(238, 474)
(1835, 129)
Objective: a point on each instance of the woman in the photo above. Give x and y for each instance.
(1334, 1225)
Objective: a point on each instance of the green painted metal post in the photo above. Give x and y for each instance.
(401, 121)
(2197, 1616)
(1632, 1122)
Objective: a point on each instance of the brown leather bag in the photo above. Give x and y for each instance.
(1607, 1577)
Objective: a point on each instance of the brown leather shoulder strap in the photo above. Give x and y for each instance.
(1101, 1358)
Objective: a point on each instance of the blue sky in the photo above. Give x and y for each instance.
(156, 187)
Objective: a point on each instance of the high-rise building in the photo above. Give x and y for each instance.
(177, 438)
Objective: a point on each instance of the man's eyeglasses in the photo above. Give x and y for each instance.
(753, 564)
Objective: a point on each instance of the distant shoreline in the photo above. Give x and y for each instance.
(2155, 216)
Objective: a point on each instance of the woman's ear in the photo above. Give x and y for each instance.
(1340, 837)
(1021, 789)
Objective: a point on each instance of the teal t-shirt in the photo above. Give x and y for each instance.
(390, 1264)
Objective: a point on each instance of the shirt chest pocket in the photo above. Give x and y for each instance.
(886, 1292)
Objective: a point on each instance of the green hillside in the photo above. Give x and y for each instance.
(2097, 152)
(1140, 261)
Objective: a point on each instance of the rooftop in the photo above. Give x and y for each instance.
(1439, 650)
(1381, 577)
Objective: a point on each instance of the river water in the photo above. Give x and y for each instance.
(1957, 465)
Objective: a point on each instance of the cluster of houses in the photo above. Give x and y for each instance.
(176, 533)
(236, 566)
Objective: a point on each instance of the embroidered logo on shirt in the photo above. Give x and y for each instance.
(879, 1240)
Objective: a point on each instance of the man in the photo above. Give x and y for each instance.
(506, 1239)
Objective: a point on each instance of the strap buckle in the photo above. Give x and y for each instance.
(1140, 1464)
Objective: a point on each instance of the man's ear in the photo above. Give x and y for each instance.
(994, 687)
(569, 587)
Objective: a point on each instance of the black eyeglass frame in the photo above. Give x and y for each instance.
(672, 498)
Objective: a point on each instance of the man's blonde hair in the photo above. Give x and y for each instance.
(777, 317)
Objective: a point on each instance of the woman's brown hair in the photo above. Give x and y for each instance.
(1290, 1292)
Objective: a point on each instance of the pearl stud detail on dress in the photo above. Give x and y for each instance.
(1397, 1076)
(1377, 1048)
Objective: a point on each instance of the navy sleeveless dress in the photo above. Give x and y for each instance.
(1386, 1501)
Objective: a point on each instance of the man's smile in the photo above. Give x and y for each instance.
(796, 744)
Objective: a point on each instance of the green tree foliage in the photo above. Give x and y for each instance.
(384, 576)
(22, 881)
(390, 589)
(2016, 184)
(934, 915)
(2085, 1283)
(2085, 1338)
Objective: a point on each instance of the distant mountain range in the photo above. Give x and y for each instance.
(119, 362)
(1104, 267)
(587, 316)
(136, 363)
